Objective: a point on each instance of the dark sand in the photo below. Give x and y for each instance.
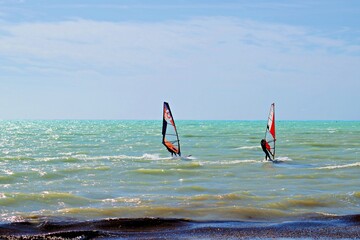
(156, 228)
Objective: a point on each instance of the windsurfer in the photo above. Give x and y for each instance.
(265, 147)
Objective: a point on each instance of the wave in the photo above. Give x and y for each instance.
(145, 156)
(152, 171)
(300, 203)
(135, 200)
(356, 194)
(46, 197)
(182, 170)
(148, 156)
(341, 166)
(248, 147)
(284, 159)
(16, 158)
(315, 203)
(7, 179)
(222, 197)
(321, 145)
(195, 188)
(230, 162)
(79, 169)
(190, 165)
(191, 211)
(78, 157)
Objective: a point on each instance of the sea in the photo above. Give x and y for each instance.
(101, 169)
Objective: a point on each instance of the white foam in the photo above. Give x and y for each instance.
(247, 147)
(122, 199)
(283, 159)
(8, 172)
(148, 156)
(225, 162)
(145, 156)
(341, 166)
(332, 130)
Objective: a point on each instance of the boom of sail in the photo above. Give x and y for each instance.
(270, 131)
(170, 136)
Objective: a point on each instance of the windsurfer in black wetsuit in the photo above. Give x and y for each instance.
(266, 151)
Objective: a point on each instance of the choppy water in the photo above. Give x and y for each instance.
(101, 169)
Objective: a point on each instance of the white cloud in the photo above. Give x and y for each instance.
(213, 60)
(96, 42)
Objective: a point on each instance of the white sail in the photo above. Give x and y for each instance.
(270, 136)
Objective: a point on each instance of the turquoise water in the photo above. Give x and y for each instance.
(105, 169)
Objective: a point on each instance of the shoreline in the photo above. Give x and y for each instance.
(160, 228)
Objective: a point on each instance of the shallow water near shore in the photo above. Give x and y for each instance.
(92, 170)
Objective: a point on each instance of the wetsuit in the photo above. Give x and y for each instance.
(266, 151)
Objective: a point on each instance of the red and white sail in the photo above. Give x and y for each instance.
(170, 136)
(270, 136)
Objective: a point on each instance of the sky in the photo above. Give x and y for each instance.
(211, 60)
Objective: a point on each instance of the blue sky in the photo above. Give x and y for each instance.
(209, 59)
